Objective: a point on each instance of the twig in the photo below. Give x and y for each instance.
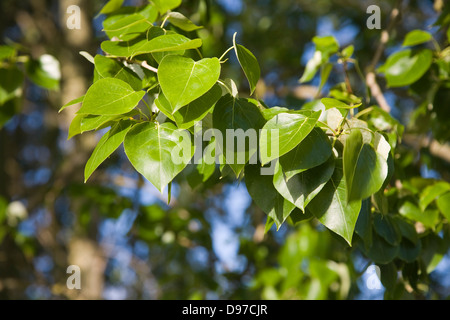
(371, 77)
(145, 65)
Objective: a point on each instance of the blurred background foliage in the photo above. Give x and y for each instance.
(209, 241)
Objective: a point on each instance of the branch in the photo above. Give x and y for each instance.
(441, 151)
(371, 77)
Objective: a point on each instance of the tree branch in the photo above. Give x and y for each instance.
(371, 77)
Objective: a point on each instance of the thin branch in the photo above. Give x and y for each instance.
(371, 77)
(145, 65)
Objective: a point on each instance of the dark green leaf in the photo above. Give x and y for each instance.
(387, 229)
(11, 81)
(261, 189)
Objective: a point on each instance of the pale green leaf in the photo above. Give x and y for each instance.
(110, 96)
(106, 146)
(184, 80)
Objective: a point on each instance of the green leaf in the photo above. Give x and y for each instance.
(330, 206)
(106, 146)
(328, 45)
(292, 129)
(110, 96)
(140, 45)
(180, 21)
(110, 68)
(249, 64)
(45, 72)
(184, 80)
(416, 37)
(128, 27)
(149, 12)
(443, 204)
(149, 147)
(91, 122)
(407, 230)
(314, 150)
(262, 191)
(365, 166)
(325, 47)
(72, 103)
(8, 110)
(166, 5)
(312, 66)
(387, 229)
(7, 52)
(363, 227)
(325, 71)
(409, 251)
(432, 192)
(75, 126)
(240, 116)
(111, 6)
(428, 218)
(333, 103)
(382, 252)
(11, 81)
(347, 52)
(303, 187)
(194, 111)
(406, 67)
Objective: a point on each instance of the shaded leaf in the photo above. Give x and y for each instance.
(330, 206)
(262, 191)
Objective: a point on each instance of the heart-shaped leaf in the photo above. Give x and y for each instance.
(292, 129)
(365, 166)
(106, 146)
(244, 119)
(183, 80)
(314, 150)
(303, 187)
(194, 111)
(330, 206)
(150, 146)
(261, 189)
(110, 96)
